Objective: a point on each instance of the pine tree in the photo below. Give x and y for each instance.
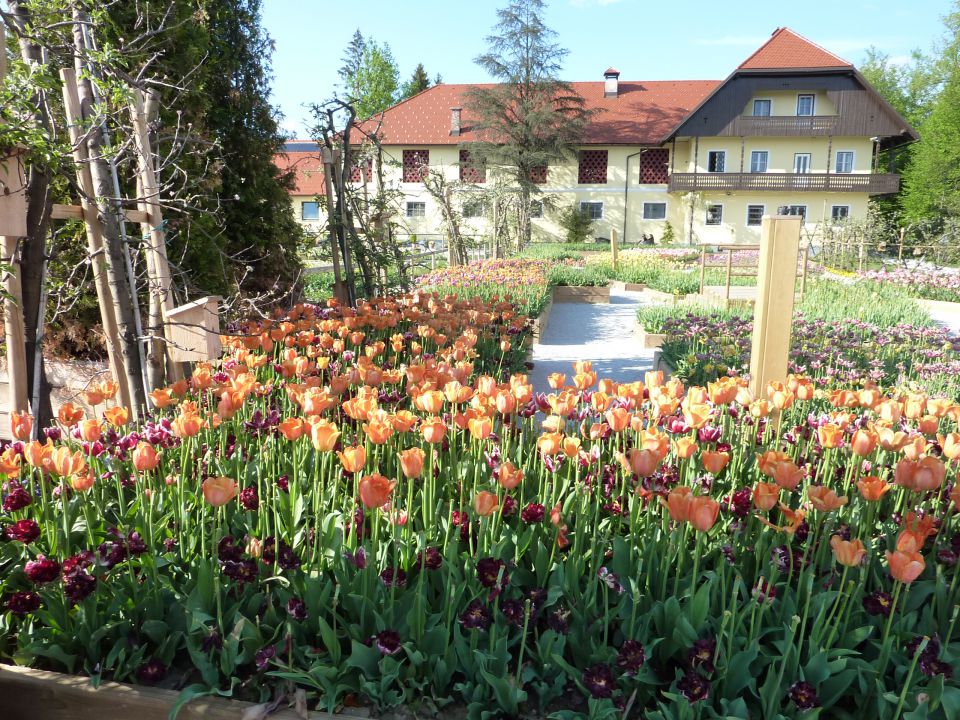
(417, 83)
(352, 62)
(530, 118)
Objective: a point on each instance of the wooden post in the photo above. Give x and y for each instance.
(13, 225)
(803, 275)
(773, 312)
(339, 289)
(729, 270)
(613, 247)
(860, 256)
(158, 267)
(903, 231)
(703, 269)
(95, 247)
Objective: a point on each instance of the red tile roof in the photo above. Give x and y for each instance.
(307, 168)
(787, 50)
(641, 113)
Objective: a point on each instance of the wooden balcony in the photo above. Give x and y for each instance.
(873, 183)
(783, 125)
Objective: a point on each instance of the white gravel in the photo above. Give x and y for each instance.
(601, 333)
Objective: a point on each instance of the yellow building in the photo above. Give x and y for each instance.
(794, 129)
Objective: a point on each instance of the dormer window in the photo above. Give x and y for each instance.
(805, 105)
(761, 108)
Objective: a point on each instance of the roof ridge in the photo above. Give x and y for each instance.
(780, 31)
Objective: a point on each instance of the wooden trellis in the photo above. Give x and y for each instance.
(13, 214)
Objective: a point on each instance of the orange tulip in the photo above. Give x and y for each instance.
(951, 445)
(292, 428)
(556, 380)
(69, 414)
(643, 463)
(618, 419)
(378, 431)
(485, 503)
(830, 435)
(680, 503)
(186, 425)
(161, 397)
(145, 457)
(505, 402)
(353, 458)
(550, 443)
(375, 490)
(905, 566)
(10, 463)
(825, 499)
(220, 490)
(928, 424)
(117, 416)
(570, 446)
(890, 440)
(324, 435)
(403, 421)
(65, 462)
(766, 495)
(714, 462)
(955, 496)
(914, 447)
(21, 425)
(509, 476)
(433, 430)
(430, 402)
(873, 488)
(90, 430)
(684, 447)
(848, 552)
(863, 442)
(411, 462)
(921, 475)
(768, 461)
(787, 475)
(696, 414)
(703, 512)
(653, 378)
(82, 483)
(480, 427)
(38, 455)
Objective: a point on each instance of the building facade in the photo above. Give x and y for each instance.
(794, 129)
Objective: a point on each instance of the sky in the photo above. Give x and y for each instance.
(644, 39)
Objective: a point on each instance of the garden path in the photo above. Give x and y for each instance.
(601, 333)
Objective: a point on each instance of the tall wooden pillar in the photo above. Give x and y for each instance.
(773, 312)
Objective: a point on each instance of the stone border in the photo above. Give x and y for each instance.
(648, 340)
(581, 294)
(621, 286)
(540, 322)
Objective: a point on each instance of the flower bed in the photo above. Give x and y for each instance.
(521, 281)
(348, 511)
(929, 283)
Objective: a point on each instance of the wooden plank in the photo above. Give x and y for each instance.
(773, 311)
(75, 212)
(95, 245)
(33, 694)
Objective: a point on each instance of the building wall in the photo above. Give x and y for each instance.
(691, 158)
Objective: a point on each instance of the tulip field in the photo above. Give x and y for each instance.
(373, 508)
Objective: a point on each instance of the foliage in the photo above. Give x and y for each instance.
(378, 80)
(669, 235)
(576, 223)
(530, 118)
(588, 275)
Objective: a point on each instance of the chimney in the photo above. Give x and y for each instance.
(455, 120)
(611, 82)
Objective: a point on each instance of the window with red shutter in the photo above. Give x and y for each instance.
(653, 167)
(593, 167)
(470, 172)
(367, 176)
(415, 164)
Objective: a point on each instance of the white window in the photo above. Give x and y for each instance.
(717, 161)
(654, 210)
(805, 105)
(801, 163)
(714, 214)
(839, 213)
(309, 211)
(416, 209)
(758, 161)
(845, 162)
(593, 210)
(800, 210)
(761, 108)
(755, 214)
(536, 208)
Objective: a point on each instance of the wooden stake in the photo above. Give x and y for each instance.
(613, 247)
(13, 299)
(161, 284)
(95, 246)
(773, 312)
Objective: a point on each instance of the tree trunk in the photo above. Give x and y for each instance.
(116, 262)
(33, 255)
(523, 218)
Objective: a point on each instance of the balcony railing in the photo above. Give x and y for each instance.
(784, 125)
(873, 183)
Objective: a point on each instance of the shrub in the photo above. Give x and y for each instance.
(576, 223)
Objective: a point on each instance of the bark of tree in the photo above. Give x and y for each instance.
(116, 262)
(39, 202)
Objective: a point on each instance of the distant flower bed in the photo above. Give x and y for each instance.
(521, 281)
(930, 283)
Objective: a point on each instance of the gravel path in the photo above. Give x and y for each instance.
(601, 333)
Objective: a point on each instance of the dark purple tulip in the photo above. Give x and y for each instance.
(23, 602)
(804, 695)
(631, 656)
(78, 584)
(476, 616)
(249, 498)
(42, 570)
(25, 531)
(297, 609)
(387, 642)
(694, 686)
(17, 499)
(151, 672)
(598, 680)
(533, 513)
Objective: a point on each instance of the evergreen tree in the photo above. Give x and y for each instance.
(378, 80)
(352, 62)
(530, 118)
(417, 83)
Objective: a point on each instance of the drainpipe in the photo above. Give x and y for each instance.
(626, 186)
